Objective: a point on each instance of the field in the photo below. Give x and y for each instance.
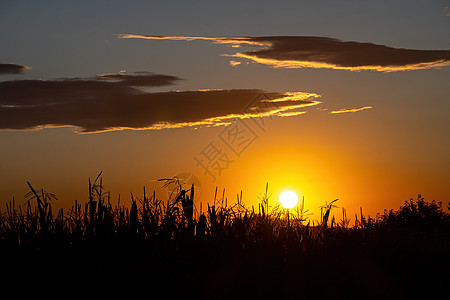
(153, 248)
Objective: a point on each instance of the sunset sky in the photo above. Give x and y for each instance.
(345, 100)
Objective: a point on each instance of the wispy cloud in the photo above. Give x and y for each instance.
(233, 41)
(12, 69)
(447, 11)
(292, 114)
(323, 53)
(118, 101)
(349, 110)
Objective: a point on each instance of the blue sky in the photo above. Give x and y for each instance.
(78, 38)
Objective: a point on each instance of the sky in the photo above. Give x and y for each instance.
(343, 100)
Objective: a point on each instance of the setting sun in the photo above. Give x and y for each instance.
(288, 199)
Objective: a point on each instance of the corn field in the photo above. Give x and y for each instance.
(152, 247)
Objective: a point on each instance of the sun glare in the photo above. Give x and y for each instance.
(288, 199)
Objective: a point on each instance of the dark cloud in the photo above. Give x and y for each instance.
(138, 79)
(12, 69)
(323, 52)
(333, 53)
(117, 101)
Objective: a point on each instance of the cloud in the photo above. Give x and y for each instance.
(233, 41)
(292, 114)
(234, 63)
(447, 11)
(12, 69)
(138, 79)
(324, 53)
(118, 101)
(347, 110)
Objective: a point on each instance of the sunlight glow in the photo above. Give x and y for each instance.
(288, 199)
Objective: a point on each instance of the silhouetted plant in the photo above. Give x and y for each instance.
(157, 236)
(419, 214)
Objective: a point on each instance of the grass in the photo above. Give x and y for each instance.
(225, 251)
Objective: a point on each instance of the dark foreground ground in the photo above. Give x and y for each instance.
(226, 253)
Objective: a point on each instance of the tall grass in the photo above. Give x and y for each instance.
(222, 249)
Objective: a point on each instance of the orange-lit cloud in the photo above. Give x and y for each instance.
(291, 114)
(325, 53)
(290, 96)
(117, 101)
(347, 110)
(293, 64)
(233, 41)
(234, 63)
(12, 69)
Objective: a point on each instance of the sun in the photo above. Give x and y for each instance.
(288, 199)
